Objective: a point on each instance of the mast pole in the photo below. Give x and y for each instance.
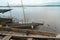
(23, 11)
(9, 8)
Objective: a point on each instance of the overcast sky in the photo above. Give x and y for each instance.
(26, 2)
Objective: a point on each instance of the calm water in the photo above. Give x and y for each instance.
(50, 15)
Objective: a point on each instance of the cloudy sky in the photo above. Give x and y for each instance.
(26, 2)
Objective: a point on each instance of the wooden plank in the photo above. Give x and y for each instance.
(31, 31)
(7, 37)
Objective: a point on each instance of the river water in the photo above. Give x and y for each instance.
(48, 15)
